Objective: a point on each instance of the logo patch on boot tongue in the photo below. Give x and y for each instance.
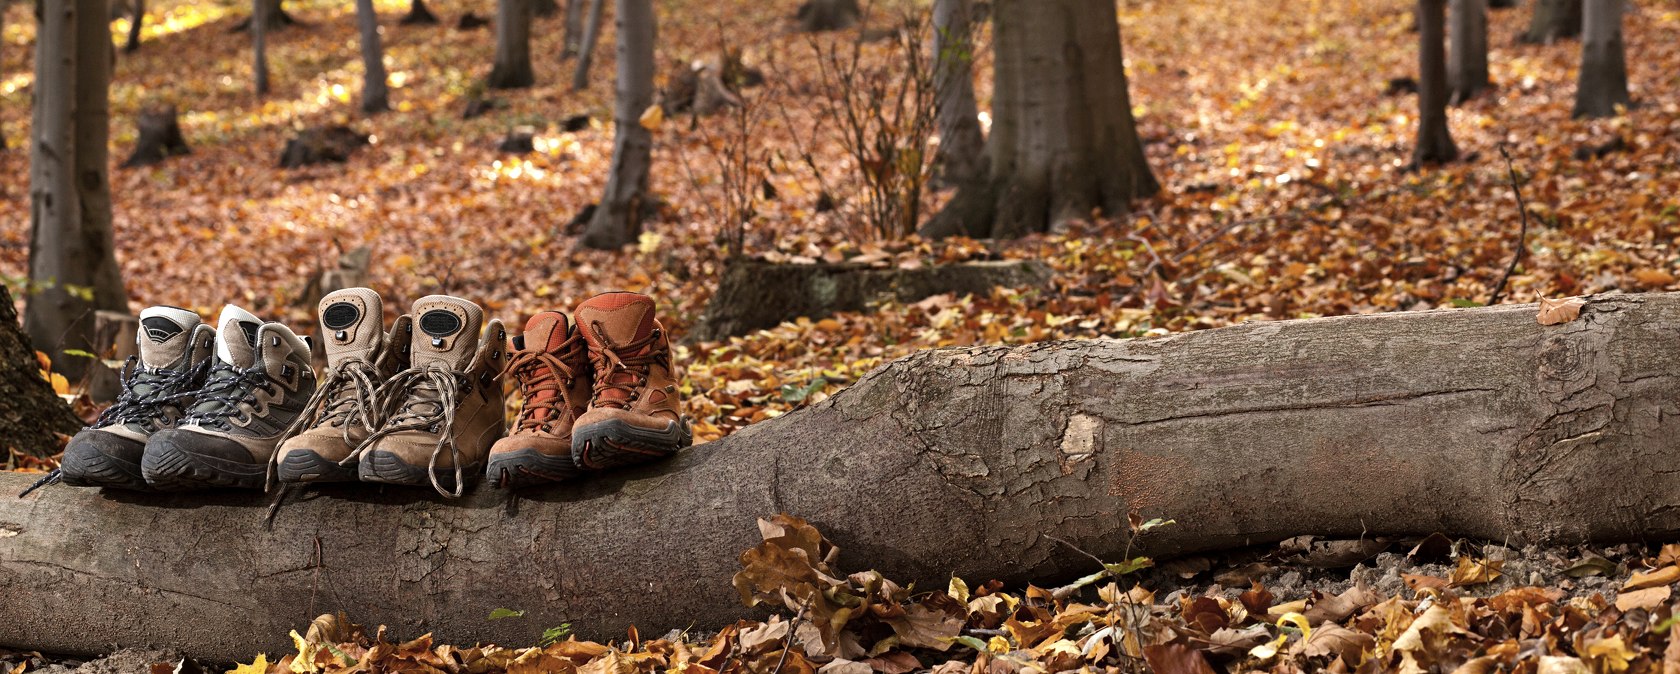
(160, 329)
(340, 315)
(439, 324)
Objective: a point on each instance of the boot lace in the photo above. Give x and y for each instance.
(227, 390)
(609, 362)
(149, 395)
(422, 399)
(347, 395)
(544, 372)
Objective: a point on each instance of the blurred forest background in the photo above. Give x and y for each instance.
(1278, 168)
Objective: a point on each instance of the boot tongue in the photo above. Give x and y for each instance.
(236, 336)
(445, 332)
(546, 331)
(352, 325)
(611, 320)
(166, 337)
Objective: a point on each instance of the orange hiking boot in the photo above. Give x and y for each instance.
(551, 364)
(439, 417)
(634, 414)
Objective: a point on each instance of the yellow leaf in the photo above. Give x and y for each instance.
(60, 385)
(1667, 575)
(648, 242)
(1473, 571)
(958, 590)
(998, 645)
(652, 117)
(258, 666)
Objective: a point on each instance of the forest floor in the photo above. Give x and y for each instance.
(1272, 125)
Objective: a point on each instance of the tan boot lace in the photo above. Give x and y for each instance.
(422, 399)
(608, 363)
(346, 396)
(544, 372)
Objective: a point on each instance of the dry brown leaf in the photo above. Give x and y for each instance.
(1472, 571)
(1556, 312)
(1667, 575)
(1647, 598)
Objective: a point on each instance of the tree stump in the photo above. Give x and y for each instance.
(160, 136)
(520, 140)
(319, 145)
(754, 294)
(824, 15)
(418, 15)
(31, 415)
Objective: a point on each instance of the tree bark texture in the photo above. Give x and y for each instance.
(1434, 139)
(1554, 20)
(1467, 72)
(376, 94)
(618, 220)
(1063, 142)
(512, 69)
(259, 46)
(591, 36)
(1477, 422)
(1603, 80)
(572, 38)
(962, 144)
(31, 414)
(133, 43)
(72, 262)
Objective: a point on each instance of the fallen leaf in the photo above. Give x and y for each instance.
(1667, 575)
(1555, 312)
(1647, 598)
(1473, 571)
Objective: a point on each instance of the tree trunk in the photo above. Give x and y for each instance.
(276, 16)
(31, 415)
(822, 15)
(512, 69)
(133, 43)
(1434, 140)
(573, 37)
(418, 15)
(1063, 140)
(1603, 80)
(2, 70)
(259, 46)
(72, 264)
(159, 136)
(544, 8)
(618, 220)
(586, 53)
(1478, 423)
(1554, 20)
(1468, 71)
(962, 145)
(376, 95)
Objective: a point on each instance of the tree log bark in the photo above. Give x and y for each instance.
(1475, 422)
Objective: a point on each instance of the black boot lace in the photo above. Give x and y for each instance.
(227, 390)
(151, 397)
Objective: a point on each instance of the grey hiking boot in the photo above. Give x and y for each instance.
(344, 409)
(444, 411)
(255, 389)
(157, 387)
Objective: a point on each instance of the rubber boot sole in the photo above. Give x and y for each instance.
(388, 468)
(305, 467)
(93, 468)
(168, 467)
(615, 444)
(529, 468)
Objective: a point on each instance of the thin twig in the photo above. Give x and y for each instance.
(1522, 234)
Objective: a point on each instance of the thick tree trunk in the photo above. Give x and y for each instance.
(572, 40)
(1468, 71)
(962, 145)
(512, 69)
(31, 415)
(822, 15)
(275, 14)
(1478, 423)
(72, 263)
(1434, 139)
(2, 70)
(1063, 141)
(1603, 80)
(376, 95)
(259, 46)
(1554, 20)
(618, 220)
(591, 36)
(133, 43)
(418, 15)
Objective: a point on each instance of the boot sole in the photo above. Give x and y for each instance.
(98, 469)
(388, 468)
(170, 468)
(529, 467)
(614, 444)
(309, 467)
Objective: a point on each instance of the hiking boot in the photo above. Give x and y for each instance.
(441, 414)
(257, 386)
(551, 363)
(344, 409)
(157, 387)
(635, 414)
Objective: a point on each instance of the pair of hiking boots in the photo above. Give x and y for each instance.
(200, 407)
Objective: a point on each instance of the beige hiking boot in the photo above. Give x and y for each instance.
(343, 412)
(635, 414)
(440, 415)
(550, 362)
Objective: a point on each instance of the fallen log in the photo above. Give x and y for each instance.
(1475, 422)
